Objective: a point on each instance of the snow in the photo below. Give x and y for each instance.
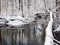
(17, 20)
(16, 23)
(58, 29)
(29, 19)
(2, 21)
(15, 17)
(49, 36)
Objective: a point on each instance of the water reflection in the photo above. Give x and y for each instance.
(21, 36)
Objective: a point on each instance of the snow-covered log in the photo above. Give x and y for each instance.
(49, 35)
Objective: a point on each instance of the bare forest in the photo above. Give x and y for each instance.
(29, 22)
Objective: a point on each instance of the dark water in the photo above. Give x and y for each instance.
(21, 36)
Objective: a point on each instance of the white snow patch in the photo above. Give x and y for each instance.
(58, 29)
(15, 23)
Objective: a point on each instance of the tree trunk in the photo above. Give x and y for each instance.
(49, 35)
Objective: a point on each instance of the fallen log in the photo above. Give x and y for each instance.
(48, 40)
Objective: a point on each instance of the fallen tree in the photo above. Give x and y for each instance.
(49, 35)
(48, 40)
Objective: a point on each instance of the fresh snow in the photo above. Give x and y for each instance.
(15, 23)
